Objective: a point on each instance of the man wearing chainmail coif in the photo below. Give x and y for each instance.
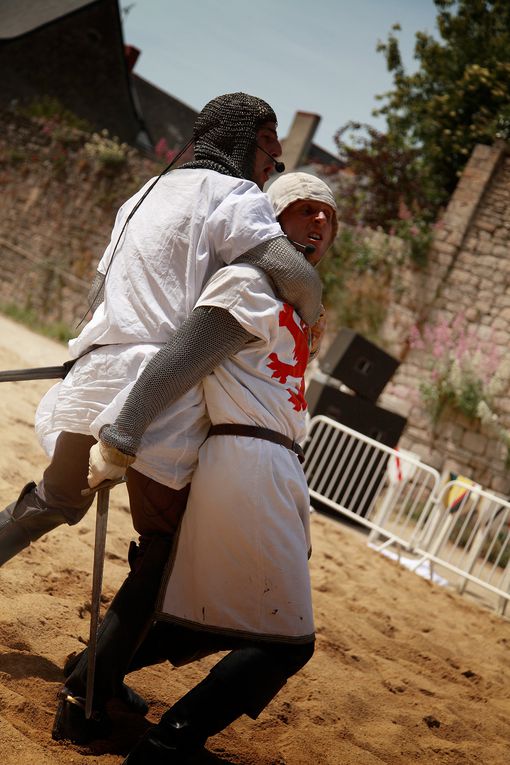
(238, 577)
(198, 217)
(168, 239)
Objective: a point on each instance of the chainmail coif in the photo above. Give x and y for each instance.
(225, 134)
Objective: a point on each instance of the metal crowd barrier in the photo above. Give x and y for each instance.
(458, 527)
(469, 536)
(388, 491)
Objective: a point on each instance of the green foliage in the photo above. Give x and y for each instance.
(458, 97)
(464, 370)
(382, 189)
(417, 234)
(360, 273)
(15, 156)
(50, 109)
(466, 374)
(107, 152)
(382, 182)
(57, 330)
(356, 274)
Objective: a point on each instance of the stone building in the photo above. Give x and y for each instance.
(74, 51)
(468, 276)
(71, 51)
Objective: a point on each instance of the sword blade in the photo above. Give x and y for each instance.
(103, 496)
(39, 373)
(97, 583)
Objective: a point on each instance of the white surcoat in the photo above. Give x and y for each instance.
(241, 561)
(190, 224)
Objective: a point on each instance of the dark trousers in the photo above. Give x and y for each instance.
(57, 499)
(156, 510)
(253, 672)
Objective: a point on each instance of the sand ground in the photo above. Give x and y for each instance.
(404, 672)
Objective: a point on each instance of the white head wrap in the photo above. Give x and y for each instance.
(292, 187)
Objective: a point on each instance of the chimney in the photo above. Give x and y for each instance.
(131, 53)
(297, 144)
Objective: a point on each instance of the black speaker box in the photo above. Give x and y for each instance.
(355, 412)
(359, 364)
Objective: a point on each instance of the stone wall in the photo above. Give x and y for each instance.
(57, 209)
(468, 274)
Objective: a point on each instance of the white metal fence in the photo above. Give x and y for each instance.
(459, 528)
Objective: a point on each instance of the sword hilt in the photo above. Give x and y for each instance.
(108, 484)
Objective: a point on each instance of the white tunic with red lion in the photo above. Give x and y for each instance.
(241, 563)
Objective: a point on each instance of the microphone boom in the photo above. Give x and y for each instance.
(308, 249)
(278, 166)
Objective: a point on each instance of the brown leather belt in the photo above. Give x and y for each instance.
(254, 431)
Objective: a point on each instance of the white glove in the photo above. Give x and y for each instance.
(106, 463)
(316, 334)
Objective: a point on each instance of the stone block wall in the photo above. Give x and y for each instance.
(468, 274)
(57, 210)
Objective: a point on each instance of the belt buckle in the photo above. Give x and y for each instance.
(298, 450)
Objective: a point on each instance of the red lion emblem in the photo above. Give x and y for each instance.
(282, 370)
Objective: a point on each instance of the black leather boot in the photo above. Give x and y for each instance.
(27, 519)
(70, 723)
(243, 682)
(183, 730)
(14, 537)
(133, 701)
(173, 745)
(122, 629)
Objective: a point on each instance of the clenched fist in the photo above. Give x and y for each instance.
(107, 463)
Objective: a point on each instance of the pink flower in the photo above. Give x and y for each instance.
(161, 148)
(415, 338)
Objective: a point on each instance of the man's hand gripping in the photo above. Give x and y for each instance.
(106, 463)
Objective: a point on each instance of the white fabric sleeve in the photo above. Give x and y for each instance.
(247, 294)
(244, 219)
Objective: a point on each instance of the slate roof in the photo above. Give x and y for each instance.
(18, 17)
(164, 116)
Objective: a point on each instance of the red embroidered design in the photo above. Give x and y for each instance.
(282, 370)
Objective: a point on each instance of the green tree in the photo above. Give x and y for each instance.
(381, 177)
(459, 95)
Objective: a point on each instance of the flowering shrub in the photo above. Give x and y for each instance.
(466, 372)
(106, 151)
(163, 151)
(417, 234)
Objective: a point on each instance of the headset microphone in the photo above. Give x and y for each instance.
(278, 166)
(308, 249)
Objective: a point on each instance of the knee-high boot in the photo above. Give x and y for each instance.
(184, 728)
(55, 500)
(122, 629)
(26, 520)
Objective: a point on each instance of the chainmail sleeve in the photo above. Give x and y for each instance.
(96, 291)
(295, 279)
(207, 337)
